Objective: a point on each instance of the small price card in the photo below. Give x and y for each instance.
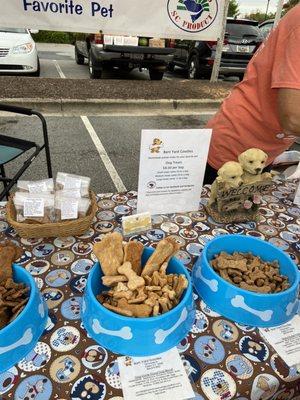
(37, 187)
(69, 209)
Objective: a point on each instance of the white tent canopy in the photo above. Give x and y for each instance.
(177, 19)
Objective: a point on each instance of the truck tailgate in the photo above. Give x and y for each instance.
(140, 49)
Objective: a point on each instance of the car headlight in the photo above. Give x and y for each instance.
(23, 48)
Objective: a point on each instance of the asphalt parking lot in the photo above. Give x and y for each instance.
(57, 61)
(105, 148)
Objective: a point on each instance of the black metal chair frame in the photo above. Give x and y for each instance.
(8, 183)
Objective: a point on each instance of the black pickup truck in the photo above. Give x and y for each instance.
(107, 56)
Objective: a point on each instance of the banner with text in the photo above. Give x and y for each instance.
(174, 19)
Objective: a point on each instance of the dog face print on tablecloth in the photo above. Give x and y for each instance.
(218, 385)
(62, 258)
(37, 267)
(8, 379)
(53, 297)
(209, 349)
(253, 350)
(112, 375)
(184, 345)
(201, 323)
(239, 366)
(58, 277)
(70, 309)
(88, 388)
(82, 266)
(65, 339)
(36, 359)
(43, 250)
(36, 387)
(64, 243)
(225, 330)
(94, 357)
(78, 284)
(65, 369)
(264, 387)
(288, 374)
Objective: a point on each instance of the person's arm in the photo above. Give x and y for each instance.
(289, 111)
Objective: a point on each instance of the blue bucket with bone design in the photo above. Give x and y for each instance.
(20, 337)
(239, 305)
(137, 336)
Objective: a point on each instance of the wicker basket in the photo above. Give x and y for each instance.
(54, 229)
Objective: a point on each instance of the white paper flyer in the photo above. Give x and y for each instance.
(285, 339)
(172, 167)
(161, 377)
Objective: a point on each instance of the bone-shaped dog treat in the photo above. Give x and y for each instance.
(182, 284)
(118, 310)
(140, 298)
(110, 253)
(239, 302)
(23, 341)
(124, 333)
(134, 281)
(113, 280)
(133, 253)
(161, 334)
(162, 252)
(212, 284)
(138, 310)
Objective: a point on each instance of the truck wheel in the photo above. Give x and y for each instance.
(193, 68)
(171, 67)
(156, 74)
(94, 73)
(79, 58)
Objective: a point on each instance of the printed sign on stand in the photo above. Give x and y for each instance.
(172, 167)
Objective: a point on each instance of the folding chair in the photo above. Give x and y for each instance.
(11, 148)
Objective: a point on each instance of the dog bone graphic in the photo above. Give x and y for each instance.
(212, 284)
(290, 307)
(239, 302)
(161, 335)
(42, 309)
(124, 333)
(25, 339)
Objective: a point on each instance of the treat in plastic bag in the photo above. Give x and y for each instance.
(34, 208)
(42, 186)
(68, 208)
(66, 181)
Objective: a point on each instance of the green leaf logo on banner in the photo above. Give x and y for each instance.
(194, 7)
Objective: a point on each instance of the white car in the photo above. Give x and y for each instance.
(18, 52)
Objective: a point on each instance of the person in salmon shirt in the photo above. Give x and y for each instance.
(263, 111)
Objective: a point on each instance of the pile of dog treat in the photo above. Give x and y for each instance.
(13, 296)
(249, 272)
(136, 291)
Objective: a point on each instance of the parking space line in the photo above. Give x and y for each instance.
(59, 70)
(104, 156)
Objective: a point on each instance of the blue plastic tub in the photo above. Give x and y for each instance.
(239, 305)
(137, 336)
(20, 337)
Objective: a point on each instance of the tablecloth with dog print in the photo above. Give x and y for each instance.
(223, 360)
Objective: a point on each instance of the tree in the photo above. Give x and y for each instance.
(259, 16)
(290, 4)
(234, 9)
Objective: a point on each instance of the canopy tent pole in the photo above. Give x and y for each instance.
(278, 12)
(220, 44)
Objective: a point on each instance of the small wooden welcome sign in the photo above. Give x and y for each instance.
(238, 204)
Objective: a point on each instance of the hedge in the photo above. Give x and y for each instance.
(57, 37)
